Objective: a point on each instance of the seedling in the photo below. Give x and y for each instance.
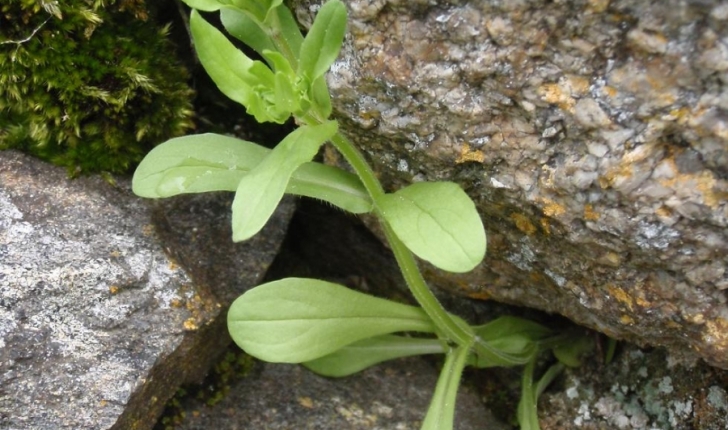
(329, 328)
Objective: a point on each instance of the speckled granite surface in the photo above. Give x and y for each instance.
(591, 134)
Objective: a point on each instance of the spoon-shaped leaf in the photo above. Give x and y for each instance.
(365, 353)
(261, 190)
(295, 320)
(438, 222)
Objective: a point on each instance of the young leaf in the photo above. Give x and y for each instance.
(441, 413)
(368, 352)
(296, 320)
(237, 76)
(246, 29)
(196, 164)
(289, 39)
(438, 222)
(261, 190)
(323, 41)
(507, 341)
(205, 5)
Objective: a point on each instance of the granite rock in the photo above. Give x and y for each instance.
(591, 135)
(98, 325)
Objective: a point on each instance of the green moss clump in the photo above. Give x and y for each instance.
(88, 84)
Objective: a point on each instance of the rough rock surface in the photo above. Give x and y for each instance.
(98, 326)
(640, 389)
(391, 396)
(591, 134)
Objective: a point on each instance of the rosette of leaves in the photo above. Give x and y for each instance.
(88, 85)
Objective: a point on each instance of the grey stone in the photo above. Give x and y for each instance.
(394, 395)
(639, 390)
(480, 92)
(98, 325)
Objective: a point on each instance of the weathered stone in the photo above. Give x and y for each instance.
(639, 390)
(394, 395)
(591, 134)
(98, 326)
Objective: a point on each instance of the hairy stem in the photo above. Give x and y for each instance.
(446, 324)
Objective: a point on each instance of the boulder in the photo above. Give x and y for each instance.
(591, 135)
(98, 324)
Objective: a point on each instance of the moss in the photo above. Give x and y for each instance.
(88, 84)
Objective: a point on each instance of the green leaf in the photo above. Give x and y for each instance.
(296, 320)
(365, 353)
(323, 41)
(507, 341)
(441, 413)
(261, 190)
(438, 222)
(195, 164)
(246, 29)
(287, 35)
(250, 83)
(320, 98)
(205, 5)
(331, 184)
(212, 162)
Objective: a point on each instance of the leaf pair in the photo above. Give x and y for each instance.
(211, 162)
(297, 320)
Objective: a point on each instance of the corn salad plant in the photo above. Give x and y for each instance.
(332, 330)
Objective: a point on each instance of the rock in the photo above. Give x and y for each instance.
(591, 135)
(639, 390)
(394, 395)
(98, 326)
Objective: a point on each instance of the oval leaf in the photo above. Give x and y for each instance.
(438, 222)
(323, 41)
(259, 192)
(195, 164)
(295, 320)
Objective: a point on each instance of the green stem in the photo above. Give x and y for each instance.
(446, 324)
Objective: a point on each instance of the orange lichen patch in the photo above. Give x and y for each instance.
(695, 318)
(523, 224)
(551, 208)
(590, 214)
(610, 92)
(545, 225)
(555, 94)
(704, 182)
(468, 154)
(621, 296)
(626, 319)
(598, 6)
(190, 324)
(148, 230)
(306, 402)
(716, 333)
(113, 289)
(642, 302)
(576, 85)
(176, 303)
(610, 259)
(663, 212)
(173, 265)
(479, 295)
(115, 254)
